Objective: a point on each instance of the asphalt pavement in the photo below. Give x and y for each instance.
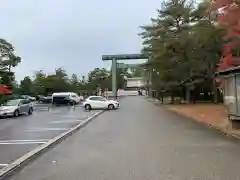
(139, 141)
(23, 134)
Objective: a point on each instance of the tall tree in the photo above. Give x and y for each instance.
(167, 42)
(26, 85)
(209, 44)
(99, 77)
(83, 80)
(75, 83)
(8, 59)
(38, 82)
(229, 17)
(183, 43)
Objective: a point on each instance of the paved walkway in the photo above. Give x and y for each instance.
(140, 141)
(213, 114)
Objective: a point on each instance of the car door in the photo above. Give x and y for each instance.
(27, 104)
(102, 102)
(23, 106)
(93, 101)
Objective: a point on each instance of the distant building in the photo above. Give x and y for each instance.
(136, 82)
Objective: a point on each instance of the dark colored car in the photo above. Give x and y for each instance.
(62, 100)
(45, 100)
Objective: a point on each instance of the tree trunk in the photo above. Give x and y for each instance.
(215, 92)
(188, 95)
(193, 96)
(172, 99)
(214, 87)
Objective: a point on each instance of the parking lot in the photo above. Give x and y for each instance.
(22, 134)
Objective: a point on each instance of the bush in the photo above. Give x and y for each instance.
(4, 98)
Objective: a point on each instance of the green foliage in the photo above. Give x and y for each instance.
(61, 82)
(47, 84)
(182, 42)
(26, 85)
(8, 59)
(98, 78)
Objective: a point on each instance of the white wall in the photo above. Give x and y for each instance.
(122, 92)
(135, 83)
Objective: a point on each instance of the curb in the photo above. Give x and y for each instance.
(209, 126)
(18, 164)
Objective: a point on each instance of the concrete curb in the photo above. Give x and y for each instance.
(18, 164)
(219, 130)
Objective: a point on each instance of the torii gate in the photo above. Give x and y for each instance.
(114, 59)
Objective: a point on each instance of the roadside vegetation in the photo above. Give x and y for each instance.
(185, 44)
(46, 84)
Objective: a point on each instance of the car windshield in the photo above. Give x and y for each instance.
(11, 103)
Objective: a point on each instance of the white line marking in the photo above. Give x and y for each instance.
(46, 129)
(70, 121)
(35, 142)
(3, 165)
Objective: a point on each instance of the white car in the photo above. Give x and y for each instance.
(99, 102)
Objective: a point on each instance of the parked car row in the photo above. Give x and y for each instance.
(24, 105)
(58, 98)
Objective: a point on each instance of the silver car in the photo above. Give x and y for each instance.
(16, 107)
(28, 97)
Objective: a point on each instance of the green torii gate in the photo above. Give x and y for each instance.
(114, 59)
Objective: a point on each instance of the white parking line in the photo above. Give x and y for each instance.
(70, 121)
(24, 140)
(32, 142)
(47, 129)
(2, 165)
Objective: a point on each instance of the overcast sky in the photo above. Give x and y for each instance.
(72, 33)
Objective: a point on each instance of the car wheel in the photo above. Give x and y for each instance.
(30, 111)
(74, 103)
(16, 113)
(111, 106)
(71, 103)
(87, 107)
